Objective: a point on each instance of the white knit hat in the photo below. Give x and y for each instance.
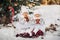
(23, 9)
(36, 12)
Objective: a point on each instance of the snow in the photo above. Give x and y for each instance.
(50, 14)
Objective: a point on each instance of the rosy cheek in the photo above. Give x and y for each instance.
(26, 18)
(37, 21)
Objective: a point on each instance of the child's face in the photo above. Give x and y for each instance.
(25, 14)
(37, 16)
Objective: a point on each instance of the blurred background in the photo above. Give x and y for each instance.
(6, 5)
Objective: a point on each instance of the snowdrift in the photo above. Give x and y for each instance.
(50, 13)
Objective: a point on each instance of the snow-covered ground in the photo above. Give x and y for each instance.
(9, 34)
(49, 13)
